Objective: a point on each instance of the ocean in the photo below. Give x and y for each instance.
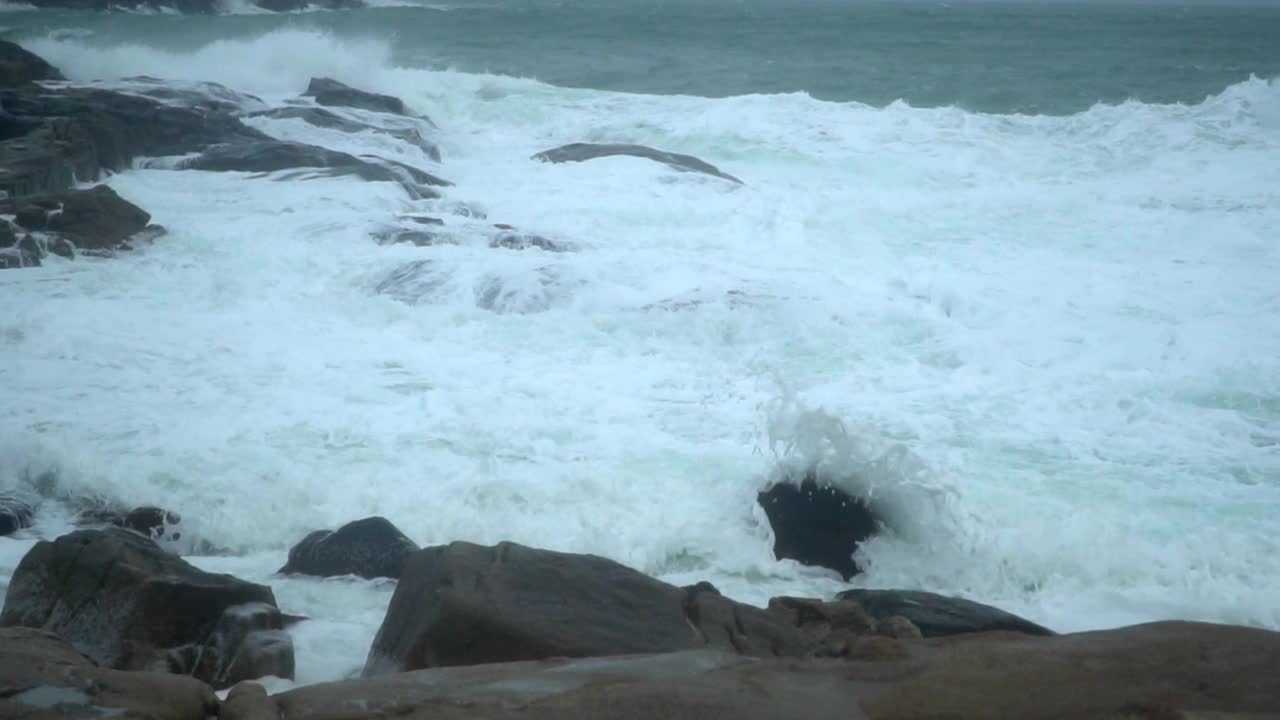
(1011, 265)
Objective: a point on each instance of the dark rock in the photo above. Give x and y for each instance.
(42, 677)
(293, 5)
(14, 515)
(420, 238)
(96, 219)
(1186, 670)
(19, 66)
(328, 119)
(192, 7)
(577, 152)
(267, 156)
(205, 96)
(818, 524)
(938, 615)
(248, 642)
(80, 133)
(700, 587)
(369, 548)
(827, 627)
(123, 601)
(18, 251)
(148, 520)
(464, 604)
(331, 92)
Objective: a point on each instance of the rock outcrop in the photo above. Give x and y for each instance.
(19, 66)
(578, 152)
(818, 524)
(149, 520)
(369, 548)
(939, 615)
(330, 92)
(1158, 671)
(42, 677)
(267, 156)
(465, 604)
(129, 605)
(95, 221)
(191, 7)
(330, 120)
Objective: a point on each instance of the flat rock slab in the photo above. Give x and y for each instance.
(1162, 670)
(43, 677)
(578, 152)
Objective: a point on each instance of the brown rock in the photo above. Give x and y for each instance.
(464, 604)
(898, 627)
(44, 677)
(248, 701)
(1155, 671)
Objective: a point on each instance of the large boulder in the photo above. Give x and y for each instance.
(939, 615)
(14, 515)
(578, 152)
(818, 523)
(95, 220)
(123, 601)
(370, 548)
(465, 604)
(42, 677)
(1160, 671)
(266, 156)
(19, 66)
(327, 91)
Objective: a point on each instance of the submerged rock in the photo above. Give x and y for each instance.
(43, 677)
(123, 601)
(14, 515)
(464, 604)
(578, 152)
(938, 615)
(818, 524)
(369, 548)
(148, 520)
(321, 117)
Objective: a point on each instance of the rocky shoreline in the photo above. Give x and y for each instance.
(106, 621)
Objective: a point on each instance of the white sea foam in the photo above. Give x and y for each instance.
(1047, 344)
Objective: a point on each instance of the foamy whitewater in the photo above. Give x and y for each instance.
(1048, 343)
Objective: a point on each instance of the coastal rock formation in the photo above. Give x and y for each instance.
(190, 7)
(330, 120)
(1156, 671)
(369, 548)
(96, 221)
(331, 92)
(938, 615)
(148, 520)
(129, 605)
(578, 152)
(43, 677)
(76, 134)
(18, 66)
(465, 604)
(265, 156)
(818, 523)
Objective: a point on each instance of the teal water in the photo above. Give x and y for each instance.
(1004, 57)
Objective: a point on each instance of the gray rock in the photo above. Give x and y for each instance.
(938, 615)
(321, 117)
(578, 152)
(14, 515)
(331, 92)
(464, 604)
(95, 220)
